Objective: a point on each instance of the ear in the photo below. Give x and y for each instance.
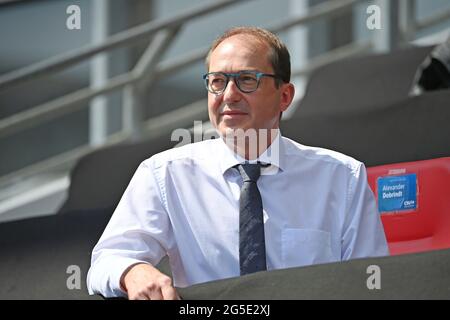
(287, 95)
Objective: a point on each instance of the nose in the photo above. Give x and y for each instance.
(232, 92)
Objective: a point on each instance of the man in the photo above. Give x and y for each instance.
(219, 209)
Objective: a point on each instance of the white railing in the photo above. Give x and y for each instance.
(148, 69)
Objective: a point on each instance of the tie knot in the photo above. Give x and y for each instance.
(250, 172)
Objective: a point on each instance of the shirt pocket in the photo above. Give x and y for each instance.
(302, 247)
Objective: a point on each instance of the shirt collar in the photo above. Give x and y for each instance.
(273, 155)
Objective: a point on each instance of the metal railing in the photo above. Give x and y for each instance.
(163, 32)
(67, 103)
(72, 102)
(129, 36)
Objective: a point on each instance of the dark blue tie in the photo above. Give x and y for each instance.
(252, 248)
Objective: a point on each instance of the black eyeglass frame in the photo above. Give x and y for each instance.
(236, 76)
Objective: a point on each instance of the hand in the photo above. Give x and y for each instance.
(145, 282)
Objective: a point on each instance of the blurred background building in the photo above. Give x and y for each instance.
(133, 71)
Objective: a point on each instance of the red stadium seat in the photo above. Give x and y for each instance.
(414, 202)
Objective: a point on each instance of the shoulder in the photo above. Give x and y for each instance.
(321, 156)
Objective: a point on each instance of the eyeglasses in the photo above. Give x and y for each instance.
(246, 81)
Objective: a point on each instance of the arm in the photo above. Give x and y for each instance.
(363, 233)
(135, 239)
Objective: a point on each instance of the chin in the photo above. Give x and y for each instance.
(226, 130)
(231, 129)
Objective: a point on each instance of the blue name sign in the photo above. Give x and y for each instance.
(397, 193)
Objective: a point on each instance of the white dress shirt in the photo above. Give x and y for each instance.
(184, 202)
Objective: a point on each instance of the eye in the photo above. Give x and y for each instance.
(217, 81)
(247, 78)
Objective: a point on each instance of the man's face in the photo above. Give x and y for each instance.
(234, 109)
